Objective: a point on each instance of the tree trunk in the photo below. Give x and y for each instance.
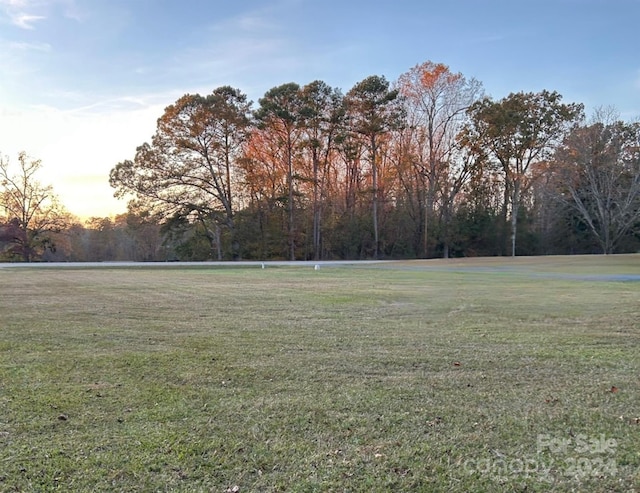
(507, 197)
(218, 238)
(316, 209)
(292, 247)
(425, 244)
(446, 219)
(374, 176)
(514, 215)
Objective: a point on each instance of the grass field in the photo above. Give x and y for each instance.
(474, 375)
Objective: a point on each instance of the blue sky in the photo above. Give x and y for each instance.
(82, 82)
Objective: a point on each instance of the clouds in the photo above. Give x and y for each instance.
(24, 46)
(20, 13)
(25, 21)
(28, 14)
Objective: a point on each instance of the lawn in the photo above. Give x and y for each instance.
(474, 375)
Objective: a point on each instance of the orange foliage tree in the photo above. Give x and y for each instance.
(436, 101)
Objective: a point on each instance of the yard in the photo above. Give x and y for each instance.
(462, 375)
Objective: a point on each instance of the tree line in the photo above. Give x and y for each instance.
(426, 166)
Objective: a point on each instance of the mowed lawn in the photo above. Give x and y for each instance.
(474, 375)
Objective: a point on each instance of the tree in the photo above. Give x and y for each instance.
(371, 113)
(322, 115)
(436, 101)
(189, 168)
(598, 172)
(142, 240)
(518, 131)
(280, 114)
(32, 211)
(349, 191)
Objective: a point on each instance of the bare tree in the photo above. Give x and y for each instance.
(32, 209)
(598, 175)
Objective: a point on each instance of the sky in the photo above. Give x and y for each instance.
(83, 82)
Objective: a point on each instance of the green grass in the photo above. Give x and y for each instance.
(408, 376)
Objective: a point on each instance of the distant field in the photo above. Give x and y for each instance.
(461, 375)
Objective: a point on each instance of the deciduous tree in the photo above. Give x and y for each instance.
(436, 101)
(32, 211)
(598, 171)
(518, 131)
(190, 167)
